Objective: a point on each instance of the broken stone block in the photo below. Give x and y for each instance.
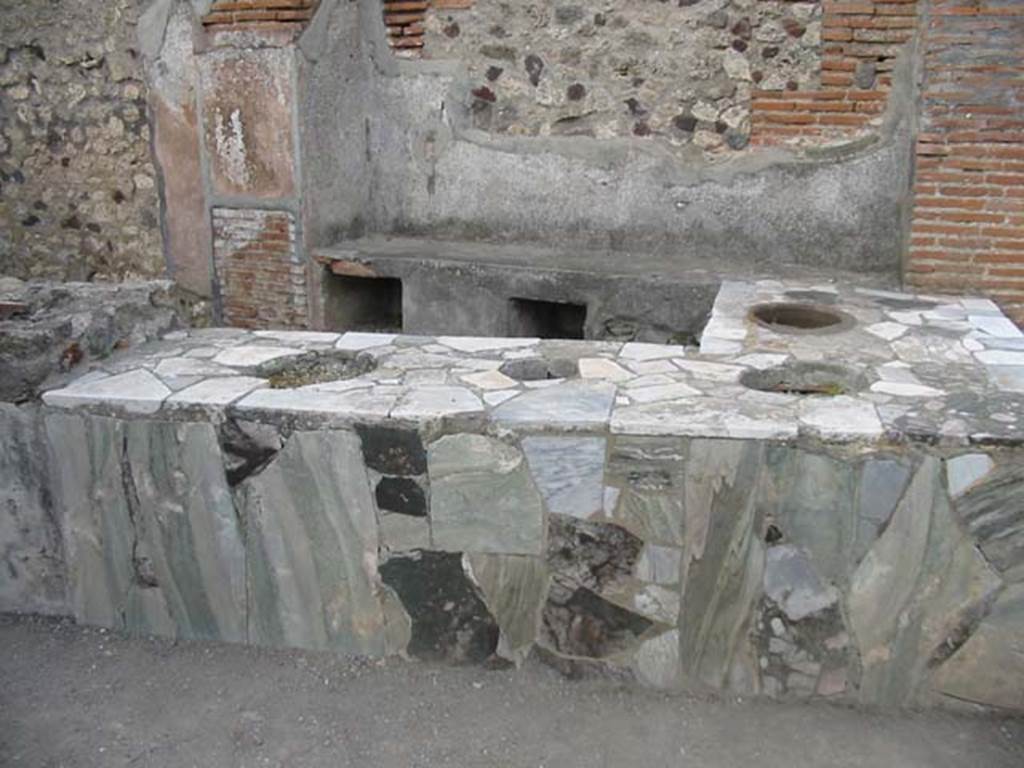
(449, 619)
(569, 472)
(578, 622)
(916, 596)
(656, 661)
(514, 588)
(32, 579)
(990, 665)
(392, 451)
(401, 495)
(790, 581)
(311, 548)
(482, 497)
(992, 508)
(597, 556)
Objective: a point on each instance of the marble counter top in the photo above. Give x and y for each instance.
(932, 369)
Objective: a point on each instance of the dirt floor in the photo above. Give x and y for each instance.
(73, 696)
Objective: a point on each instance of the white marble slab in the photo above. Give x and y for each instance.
(221, 390)
(136, 391)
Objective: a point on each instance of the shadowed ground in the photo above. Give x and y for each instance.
(73, 696)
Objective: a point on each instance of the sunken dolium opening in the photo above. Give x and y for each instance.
(799, 317)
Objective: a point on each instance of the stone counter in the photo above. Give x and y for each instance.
(625, 509)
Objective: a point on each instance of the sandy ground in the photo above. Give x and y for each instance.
(74, 696)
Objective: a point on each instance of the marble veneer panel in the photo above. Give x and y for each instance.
(153, 542)
(312, 550)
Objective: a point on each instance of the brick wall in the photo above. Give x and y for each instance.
(404, 21)
(861, 41)
(968, 225)
(283, 14)
(261, 277)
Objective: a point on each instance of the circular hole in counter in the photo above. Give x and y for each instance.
(540, 369)
(800, 317)
(314, 368)
(804, 378)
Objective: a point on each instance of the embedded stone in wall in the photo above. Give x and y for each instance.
(450, 621)
(482, 497)
(595, 607)
(153, 542)
(990, 665)
(791, 582)
(514, 588)
(248, 105)
(590, 554)
(656, 661)
(992, 509)
(86, 456)
(32, 571)
(188, 538)
(247, 446)
(260, 272)
(392, 451)
(401, 495)
(815, 495)
(965, 471)
(645, 475)
(312, 549)
(723, 563)
(882, 482)
(400, 533)
(569, 471)
(579, 623)
(918, 594)
(681, 73)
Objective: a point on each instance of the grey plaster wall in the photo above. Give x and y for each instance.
(432, 174)
(332, 131)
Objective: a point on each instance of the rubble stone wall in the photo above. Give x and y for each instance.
(683, 72)
(78, 192)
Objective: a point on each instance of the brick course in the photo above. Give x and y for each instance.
(260, 13)
(260, 275)
(404, 22)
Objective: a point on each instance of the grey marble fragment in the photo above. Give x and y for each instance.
(514, 588)
(482, 497)
(790, 581)
(915, 593)
(32, 568)
(569, 472)
(312, 548)
(574, 403)
(187, 532)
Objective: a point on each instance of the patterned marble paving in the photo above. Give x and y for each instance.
(932, 367)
